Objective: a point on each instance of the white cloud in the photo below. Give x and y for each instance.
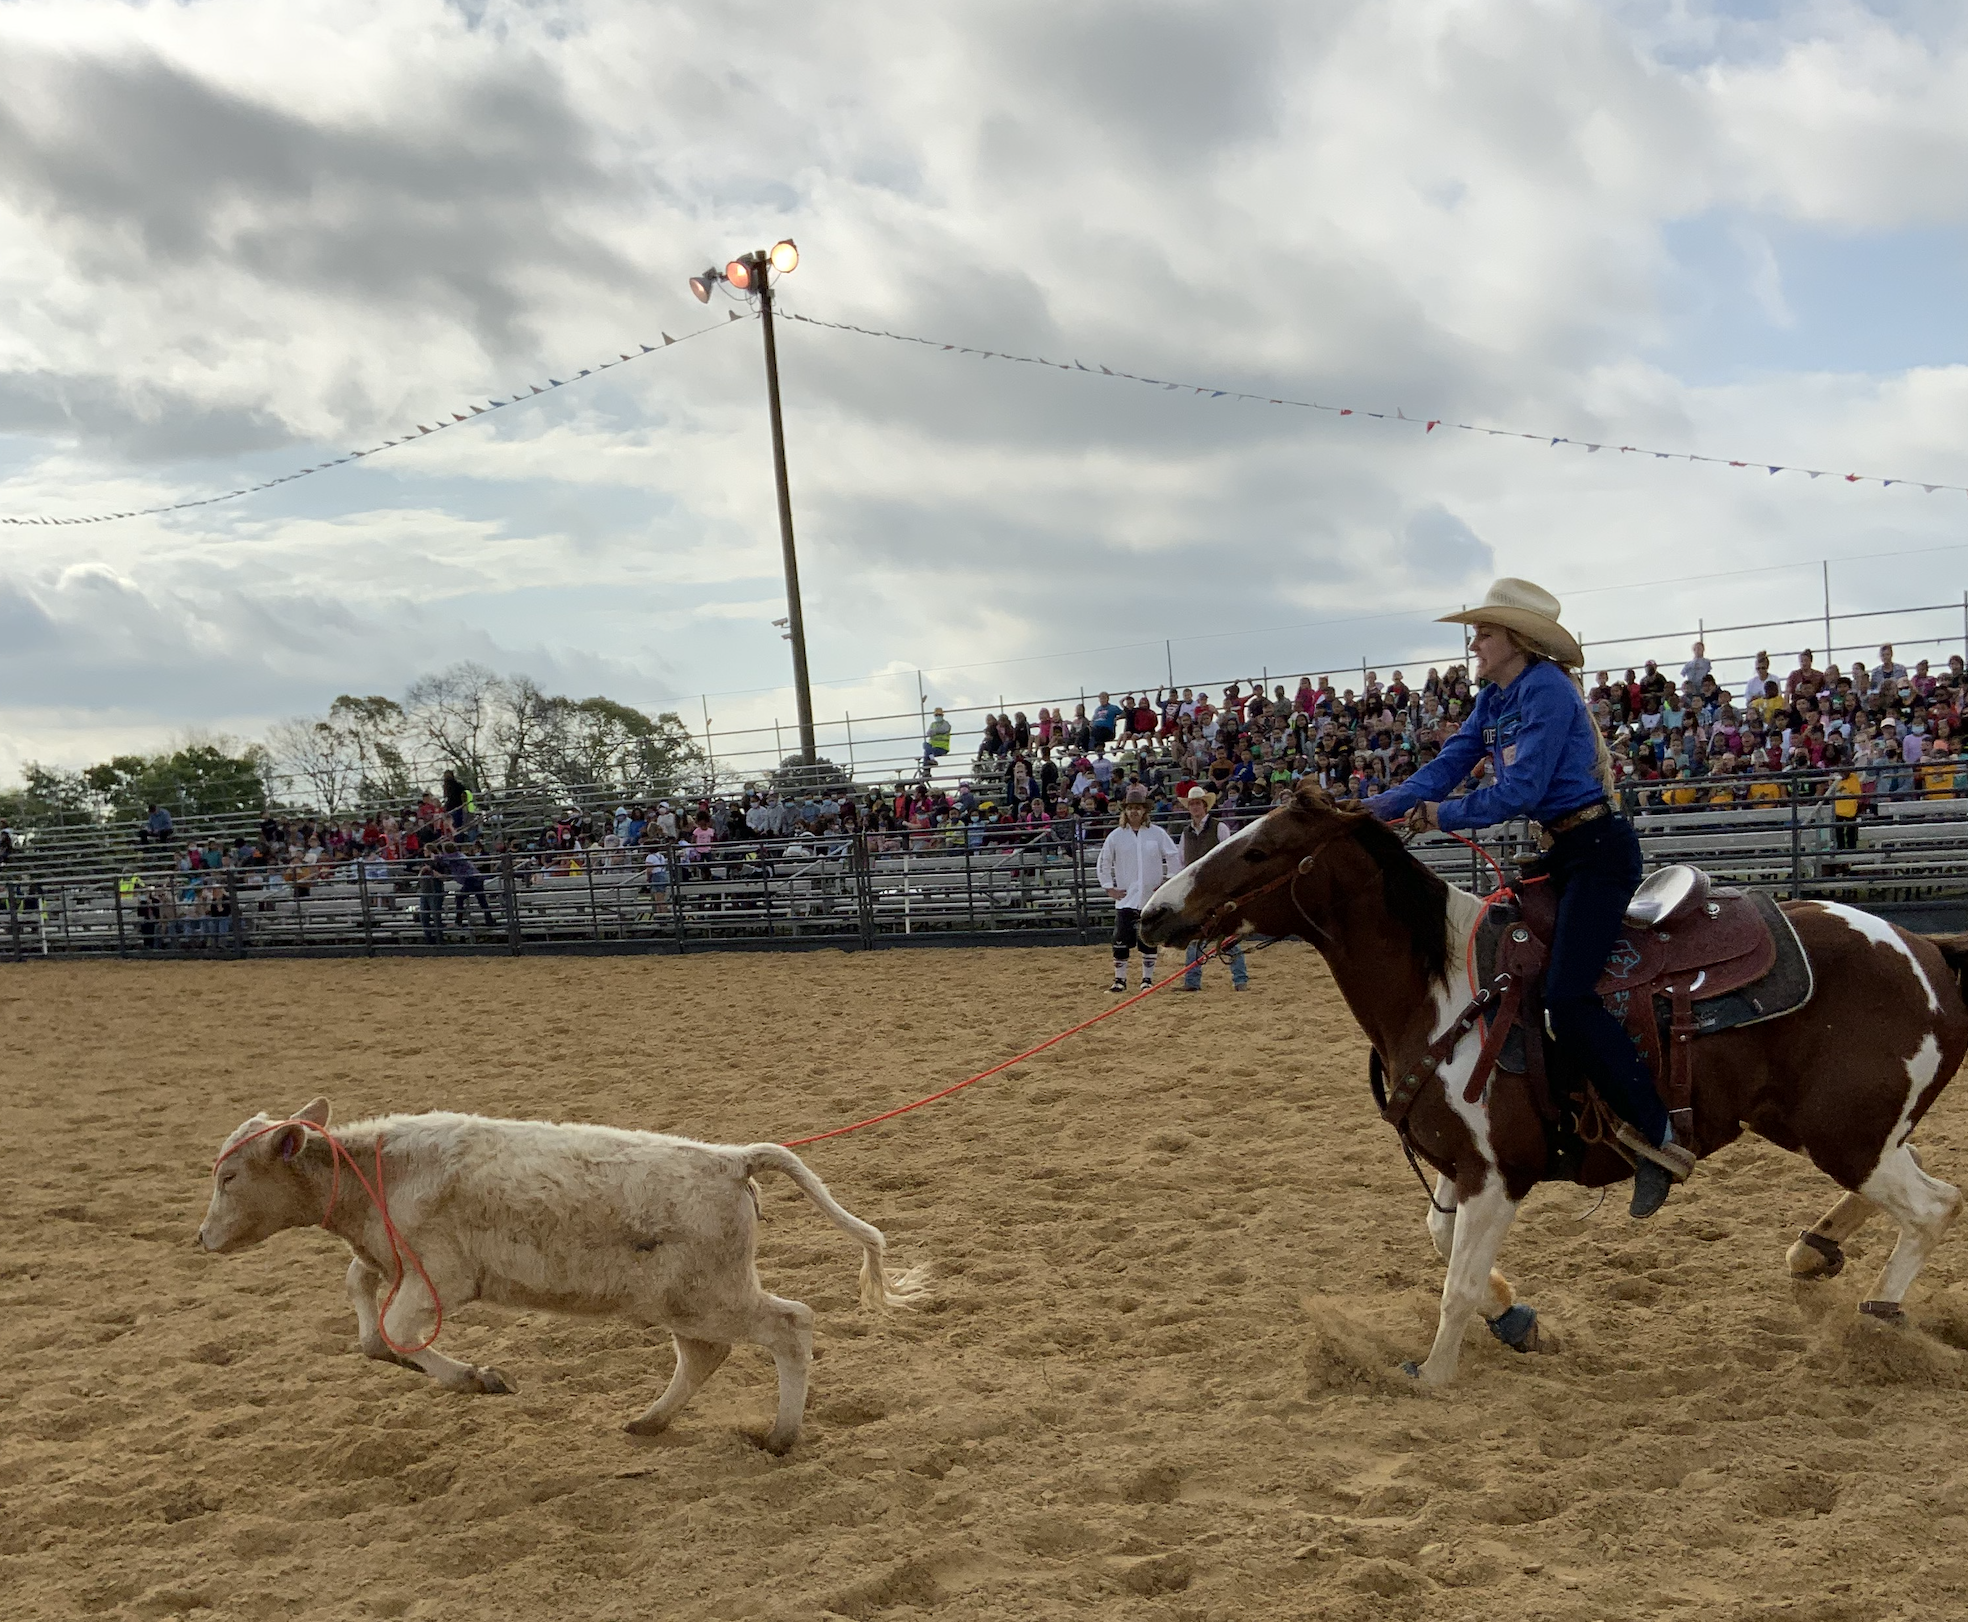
(235, 238)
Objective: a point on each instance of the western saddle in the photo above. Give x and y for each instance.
(1695, 959)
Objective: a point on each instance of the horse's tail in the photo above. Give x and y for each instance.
(1954, 952)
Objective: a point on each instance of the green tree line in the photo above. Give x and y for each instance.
(502, 735)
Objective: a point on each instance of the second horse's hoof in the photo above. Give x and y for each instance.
(1516, 1327)
(1411, 1369)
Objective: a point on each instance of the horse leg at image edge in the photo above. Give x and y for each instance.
(1924, 1207)
(1480, 1224)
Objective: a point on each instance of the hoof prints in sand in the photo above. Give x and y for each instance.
(1176, 1263)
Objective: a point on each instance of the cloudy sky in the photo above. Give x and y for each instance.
(238, 237)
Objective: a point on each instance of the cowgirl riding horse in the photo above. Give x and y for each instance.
(1547, 761)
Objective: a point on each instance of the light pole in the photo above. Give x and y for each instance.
(753, 274)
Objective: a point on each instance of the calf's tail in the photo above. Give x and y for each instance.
(880, 1286)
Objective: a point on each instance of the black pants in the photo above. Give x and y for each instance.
(1127, 935)
(1595, 869)
(473, 887)
(1845, 833)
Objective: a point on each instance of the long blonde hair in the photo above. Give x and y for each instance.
(1602, 759)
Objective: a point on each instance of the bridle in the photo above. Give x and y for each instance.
(1217, 925)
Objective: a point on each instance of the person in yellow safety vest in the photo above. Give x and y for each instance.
(937, 744)
(1847, 797)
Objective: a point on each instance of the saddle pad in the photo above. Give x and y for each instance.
(1784, 990)
(1786, 987)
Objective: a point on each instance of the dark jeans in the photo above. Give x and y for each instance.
(430, 912)
(473, 887)
(1595, 869)
(1845, 833)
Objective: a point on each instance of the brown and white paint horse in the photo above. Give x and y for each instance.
(1844, 1079)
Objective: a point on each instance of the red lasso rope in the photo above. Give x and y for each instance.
(1019, 1058)
(399, 1246)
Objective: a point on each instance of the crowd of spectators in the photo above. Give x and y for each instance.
(1858, 735)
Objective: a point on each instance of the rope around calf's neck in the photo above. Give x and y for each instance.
(399, 1246)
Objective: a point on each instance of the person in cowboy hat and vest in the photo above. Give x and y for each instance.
(1548, 761)
(1134, 861)
(1200, 835)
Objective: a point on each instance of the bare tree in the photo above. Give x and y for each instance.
(319, 754)
(523, 730)
(374, 727)
(455, 713)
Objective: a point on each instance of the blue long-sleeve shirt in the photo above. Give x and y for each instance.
(1542, 747)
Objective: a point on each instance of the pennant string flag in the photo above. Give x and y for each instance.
(1428, 425)
(439, 423)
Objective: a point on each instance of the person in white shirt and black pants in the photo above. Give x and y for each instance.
(1135, 860)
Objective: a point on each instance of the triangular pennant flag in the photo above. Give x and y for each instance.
(456, 418)
(1884, 483)
(1815, 472)
(1851, 478)
(556, 383)
(733, 314)
(647, 347)
(583, 372)
(1560, 442)
(478, 411)
(1739, 464)
(630, 357)
(1776, 470)
(1104, 369)
(1930, 488)
(422, 429)
(1430, 428)
(1346, 411)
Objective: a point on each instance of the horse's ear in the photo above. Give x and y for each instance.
(1312, 799)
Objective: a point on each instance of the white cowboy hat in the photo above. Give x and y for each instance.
(1199, 793)
(1530, 611)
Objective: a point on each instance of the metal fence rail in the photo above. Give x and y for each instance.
(1908, 858)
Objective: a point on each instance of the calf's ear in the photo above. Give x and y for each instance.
(314, 1110)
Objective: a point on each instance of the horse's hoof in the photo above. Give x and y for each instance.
(1815, 1257)
(494, 1384)
(1411, 1369)
(1888, 1312)
(1517, 1328)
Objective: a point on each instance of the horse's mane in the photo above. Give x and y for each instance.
(1418, 899)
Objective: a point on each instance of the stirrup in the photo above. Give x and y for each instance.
(1673, 1158)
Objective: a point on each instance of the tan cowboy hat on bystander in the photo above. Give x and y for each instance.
(1199, 793)
(1530, 611)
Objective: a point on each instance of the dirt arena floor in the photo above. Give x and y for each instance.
(1176, 1263)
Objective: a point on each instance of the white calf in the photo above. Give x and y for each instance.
(576, 1219)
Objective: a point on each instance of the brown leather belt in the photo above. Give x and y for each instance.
(1578, 818)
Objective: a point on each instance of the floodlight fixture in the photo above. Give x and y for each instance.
(785, 256)
(743, 274)
(702, 286)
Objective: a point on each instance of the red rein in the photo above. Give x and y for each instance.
(399, 1246)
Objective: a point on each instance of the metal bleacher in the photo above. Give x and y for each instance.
(63, 895)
